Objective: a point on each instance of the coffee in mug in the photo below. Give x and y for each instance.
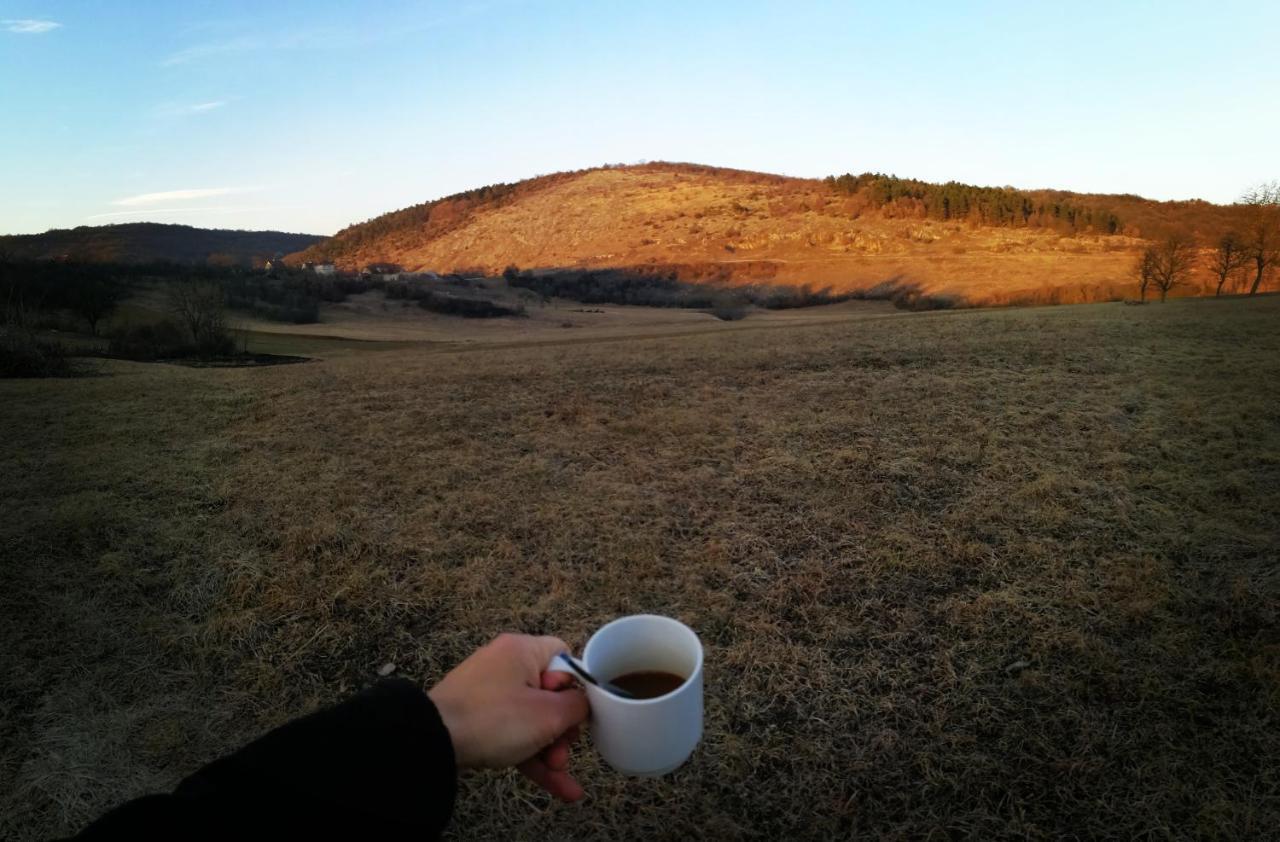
(648, 684)
(661, 659)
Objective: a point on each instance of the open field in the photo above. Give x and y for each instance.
(1000, 574)
(370, 321)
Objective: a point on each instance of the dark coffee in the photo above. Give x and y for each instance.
(648, 684)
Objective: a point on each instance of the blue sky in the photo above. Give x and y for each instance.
(311, 116)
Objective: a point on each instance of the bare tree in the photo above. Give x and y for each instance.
(95, 299)
(1145, 269)
(1175, 256)
(201, 307)
(1228, 258)
(1262, 229)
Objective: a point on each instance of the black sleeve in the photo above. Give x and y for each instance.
(379, 765)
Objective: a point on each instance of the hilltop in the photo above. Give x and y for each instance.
(151, 242)
(706, 223)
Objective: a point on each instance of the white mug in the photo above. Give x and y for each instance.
(646, 737)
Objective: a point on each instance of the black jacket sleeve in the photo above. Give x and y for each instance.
(379, 765)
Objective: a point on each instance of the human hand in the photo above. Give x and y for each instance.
(502, 710)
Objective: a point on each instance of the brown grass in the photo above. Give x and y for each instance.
(984, 573)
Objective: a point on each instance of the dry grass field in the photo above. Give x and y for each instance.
(990, 574)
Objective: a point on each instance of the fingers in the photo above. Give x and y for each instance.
(560, 711)
(556, 755)
(555, 781)
(544, 648)
(557, 681)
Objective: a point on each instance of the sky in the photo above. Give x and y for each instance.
(312, 116)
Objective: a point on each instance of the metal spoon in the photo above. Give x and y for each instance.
(591, 679)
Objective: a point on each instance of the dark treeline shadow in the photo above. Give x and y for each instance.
(663, 287)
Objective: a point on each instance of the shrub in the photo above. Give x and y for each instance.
(729, 311)
(660, 286)
(160, 340)
(297, 311)
(471, 308)
(23, 354)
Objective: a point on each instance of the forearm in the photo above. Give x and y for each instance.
(379, 763)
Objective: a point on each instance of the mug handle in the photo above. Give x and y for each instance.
(559, 663)
(564, 662)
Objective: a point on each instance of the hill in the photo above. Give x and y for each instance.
(849, 232)
(152, 242)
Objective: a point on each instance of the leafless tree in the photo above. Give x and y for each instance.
(1175, 256)
(1228, 258)
(1145, 269)
(201, 307)
(1262, 229)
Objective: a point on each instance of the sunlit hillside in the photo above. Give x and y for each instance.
(705, 222)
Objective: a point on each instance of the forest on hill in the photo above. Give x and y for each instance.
(153, 242)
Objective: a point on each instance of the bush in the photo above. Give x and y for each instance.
(661, 287)
(161, 340)
(167, 340)
(22, 354)
(727, 311)
(466, 305)
(470, 308)
(297, 311)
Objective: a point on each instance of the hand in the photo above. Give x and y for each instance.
(502, 710)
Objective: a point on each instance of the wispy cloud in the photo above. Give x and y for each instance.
(193, 108)
(213, 48)
(178, 195)
(29, 27)
(343, 36)
(159, 211)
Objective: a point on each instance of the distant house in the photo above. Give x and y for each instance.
(383, 269)
(320, 268)
(274, 264)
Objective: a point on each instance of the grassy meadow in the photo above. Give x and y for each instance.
(992, 574)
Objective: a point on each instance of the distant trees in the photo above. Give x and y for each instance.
(1262, 229)
(94, 298)
(1145, 269)
(88, 291)
(1172, 261)
(22, 352)
(200, 307)
(651, 286)
(982, 205)
(151, 242)
(1229, 257)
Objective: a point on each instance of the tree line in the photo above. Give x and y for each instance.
(1000, 206)
(1245, 253)
(636, 286)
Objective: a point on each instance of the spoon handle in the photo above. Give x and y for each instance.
(582, 673)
